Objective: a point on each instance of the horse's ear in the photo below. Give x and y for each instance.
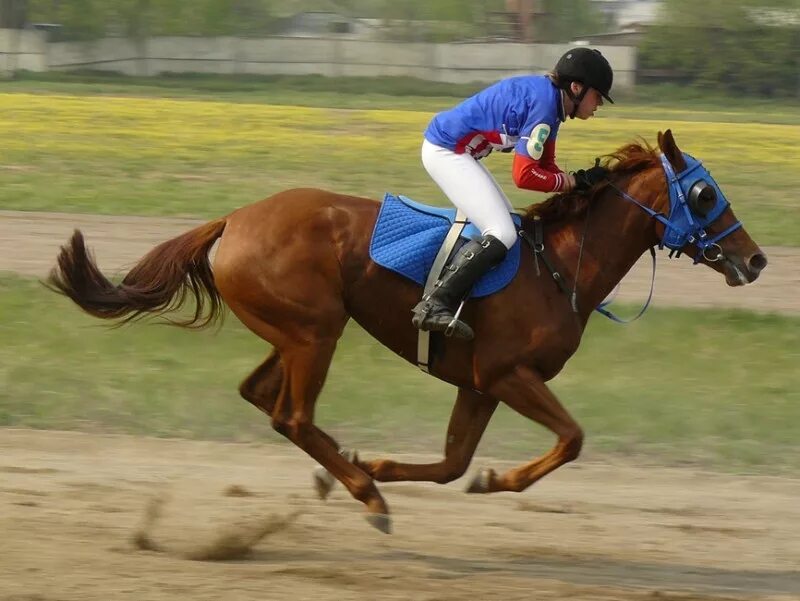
(670, 149)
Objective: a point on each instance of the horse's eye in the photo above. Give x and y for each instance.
(702, 198)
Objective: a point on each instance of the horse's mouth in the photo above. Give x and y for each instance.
(737, 274)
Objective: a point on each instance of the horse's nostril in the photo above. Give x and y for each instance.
(757, 262)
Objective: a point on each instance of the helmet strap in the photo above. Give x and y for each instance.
(576, 100)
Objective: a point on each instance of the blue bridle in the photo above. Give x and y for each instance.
(683, 225)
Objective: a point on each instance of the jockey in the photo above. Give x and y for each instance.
(522, 114)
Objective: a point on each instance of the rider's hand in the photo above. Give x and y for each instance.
(586, 178)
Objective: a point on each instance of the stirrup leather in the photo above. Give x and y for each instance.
(440, 309)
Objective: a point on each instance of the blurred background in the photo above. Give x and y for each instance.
(135, 119)
(745, 47)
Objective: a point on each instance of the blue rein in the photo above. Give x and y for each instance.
(683, 226)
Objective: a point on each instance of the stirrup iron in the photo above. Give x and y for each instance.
(452, 325)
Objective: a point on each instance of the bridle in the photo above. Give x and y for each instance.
(695, 202)
(691, 193)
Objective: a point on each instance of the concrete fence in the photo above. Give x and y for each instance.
(22, 49)
(334, 57)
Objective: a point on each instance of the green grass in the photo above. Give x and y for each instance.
(402, 93)
(69, 147)
(399, 93)
(715, 388)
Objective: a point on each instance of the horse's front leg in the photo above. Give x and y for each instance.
(524, 391)
(468, 421)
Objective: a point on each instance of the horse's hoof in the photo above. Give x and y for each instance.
(381, 521)
(480, 483)
(323, 482)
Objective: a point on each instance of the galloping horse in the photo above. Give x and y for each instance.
(296, 266)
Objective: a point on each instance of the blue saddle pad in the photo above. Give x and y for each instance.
(408, 235)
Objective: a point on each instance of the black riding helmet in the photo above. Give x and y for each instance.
(586, 66)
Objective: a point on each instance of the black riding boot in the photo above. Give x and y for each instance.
(435, 311)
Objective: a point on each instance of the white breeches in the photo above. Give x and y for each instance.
(471, 188)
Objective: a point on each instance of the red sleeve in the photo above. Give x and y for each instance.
(542, 175)
(548, 160)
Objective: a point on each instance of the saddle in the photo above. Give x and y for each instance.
(408, 236)
(416, 241)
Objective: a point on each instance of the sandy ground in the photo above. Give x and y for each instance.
(70, 504)
(29, 243)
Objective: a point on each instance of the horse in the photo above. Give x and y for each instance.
(295, 267)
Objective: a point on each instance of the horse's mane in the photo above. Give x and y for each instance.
(572, 205)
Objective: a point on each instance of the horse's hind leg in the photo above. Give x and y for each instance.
(305, 367)
(468, 421)
(261, 388)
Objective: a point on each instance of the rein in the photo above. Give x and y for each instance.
(536, 242)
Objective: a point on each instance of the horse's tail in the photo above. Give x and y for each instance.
(161, 281)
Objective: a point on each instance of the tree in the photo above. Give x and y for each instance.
(13, 14)
(750, 46)
(567, 20)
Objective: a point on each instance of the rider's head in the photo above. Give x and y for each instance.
(586, 77)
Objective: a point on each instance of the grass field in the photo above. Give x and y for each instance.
(401, 93)
(198, 148)
(715, 388)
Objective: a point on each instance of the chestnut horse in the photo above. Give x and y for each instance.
(296, 266)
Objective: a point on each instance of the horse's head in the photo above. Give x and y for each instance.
(694, 217)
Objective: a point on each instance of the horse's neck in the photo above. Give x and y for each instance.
(617, 234)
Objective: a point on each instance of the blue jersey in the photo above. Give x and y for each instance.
(519, 113)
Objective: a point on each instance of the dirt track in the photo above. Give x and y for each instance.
(29, 243)
(71, 502)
